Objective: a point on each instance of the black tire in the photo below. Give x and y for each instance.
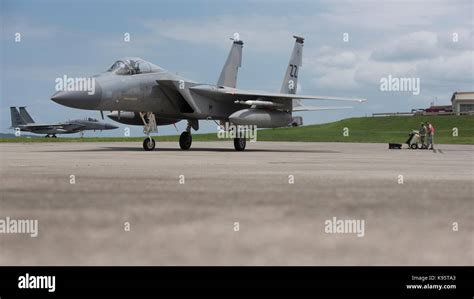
(414, 146)
(149, 144)
(185, 141)
(239, 144)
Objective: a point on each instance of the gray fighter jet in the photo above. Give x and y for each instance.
(141, 93)
(24, 122)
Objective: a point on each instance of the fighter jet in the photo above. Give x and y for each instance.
(141, 93)
(24, 122)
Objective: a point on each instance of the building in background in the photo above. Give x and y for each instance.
(463, 102)
(439, 109)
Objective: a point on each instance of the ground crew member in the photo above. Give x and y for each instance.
(430, 131)
(422, 134)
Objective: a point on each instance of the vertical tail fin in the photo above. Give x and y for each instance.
(16, 118)
(228, 75)
(290, 80)
(26, 116)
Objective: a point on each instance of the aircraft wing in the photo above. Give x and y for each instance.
(43, 126)
(241, 94)
(66, 127)
(72, 127)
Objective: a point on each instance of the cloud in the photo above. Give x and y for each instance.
(330, 57)
(412, 46)
(457, 69)
(335, 79)
(456, 39)
(387, 16)
(441, 72)
(370, 72)
(331, 68)
(261, 32)
(337, 66)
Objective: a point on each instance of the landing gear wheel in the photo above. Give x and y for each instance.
(414, 146)
(54, 136)
(239, 144)
(149, 144)
(185, 141)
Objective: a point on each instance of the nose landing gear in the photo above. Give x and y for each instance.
(149, 144)
(149, 126)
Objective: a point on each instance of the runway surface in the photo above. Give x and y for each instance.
(409, 200)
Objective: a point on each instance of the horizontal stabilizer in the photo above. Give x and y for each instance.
(263, 94)
(244, 95)
(43, 126)
(309, 108)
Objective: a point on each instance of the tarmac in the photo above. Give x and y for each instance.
(115, 204)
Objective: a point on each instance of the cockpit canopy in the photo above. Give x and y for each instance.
(133, 66)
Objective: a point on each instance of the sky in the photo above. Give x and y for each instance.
(350, 46)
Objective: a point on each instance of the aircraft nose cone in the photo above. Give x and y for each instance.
(110, 127)
(79, 99)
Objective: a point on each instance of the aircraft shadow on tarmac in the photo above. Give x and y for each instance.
(203, 149)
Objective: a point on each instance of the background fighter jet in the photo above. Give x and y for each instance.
(142, 93)
(23, 121)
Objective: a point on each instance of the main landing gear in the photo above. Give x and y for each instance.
(48, 135)
(186, 139)
(239, 144)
